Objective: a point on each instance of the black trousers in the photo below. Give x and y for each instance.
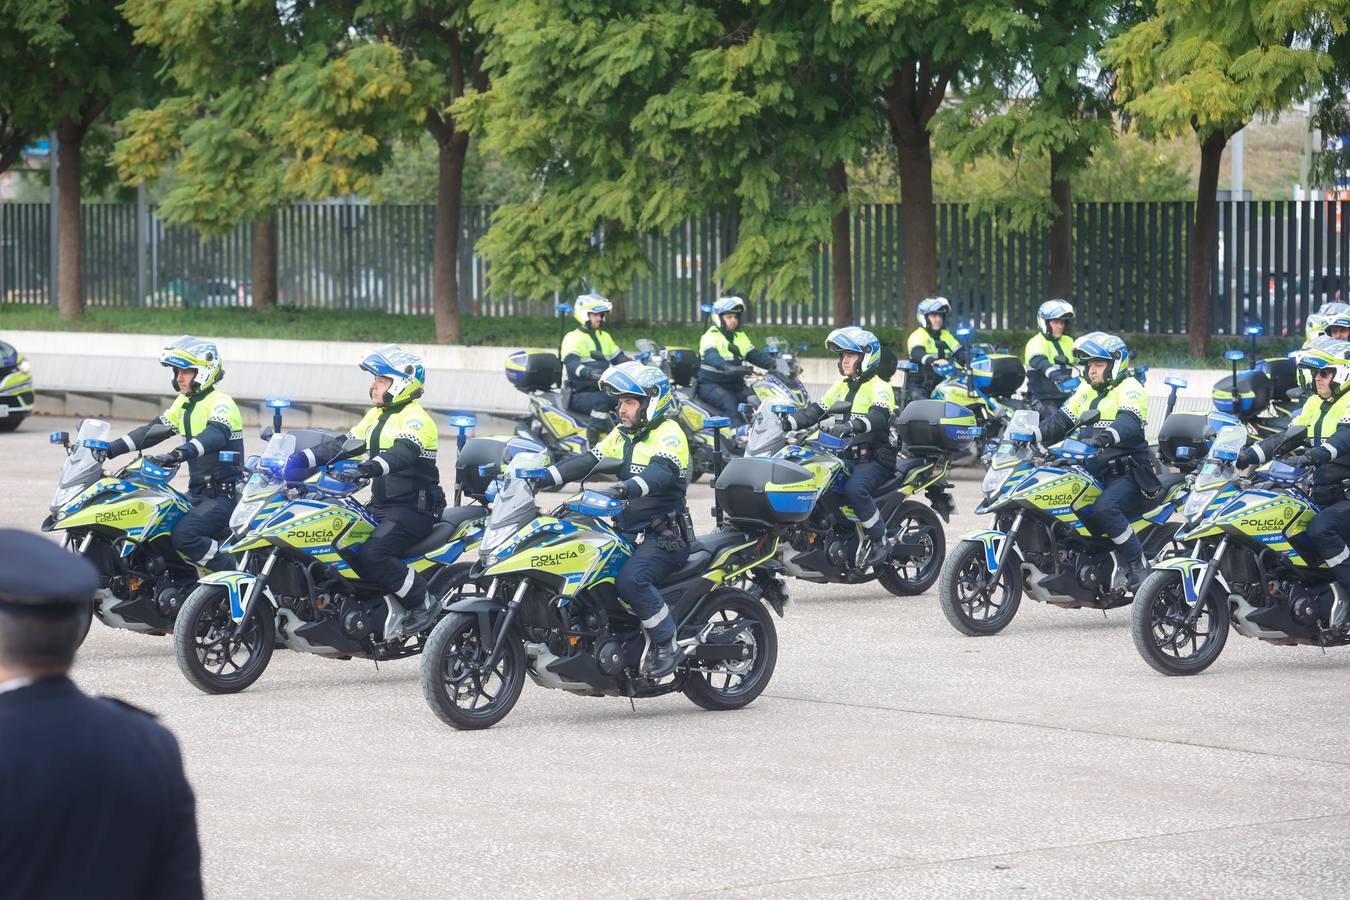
(587, 402)
(860, 489)
(724, 398)
(1110, 515)
(1329, 533)
(198, 534)
(636, 583)
(381, 557)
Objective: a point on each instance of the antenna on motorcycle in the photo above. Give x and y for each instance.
(1253, 332)
(277, 404)
(564, 310)
(717, 423)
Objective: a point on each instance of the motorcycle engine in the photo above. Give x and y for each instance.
(358, 618)
(609, 656)
(1305, 605)
(169, 596)
(838, 554)
(1091, 571)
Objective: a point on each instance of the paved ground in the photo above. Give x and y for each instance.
(889, 756)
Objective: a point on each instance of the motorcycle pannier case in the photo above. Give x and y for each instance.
(1184, 439)
(533, 370)
(683, 364)
(998, 374)
(1283, 375)
(936, 425)
(1246, 395)
(764, 492)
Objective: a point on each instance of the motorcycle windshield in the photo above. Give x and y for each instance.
(268, 477)
(766, 434)
(512, 508)
(82, 467)
(1219, 464)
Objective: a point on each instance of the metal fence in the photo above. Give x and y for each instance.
(1274, 261)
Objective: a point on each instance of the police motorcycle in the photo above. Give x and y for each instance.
(681, 365)
(16, 388)
(830, 544)
(550, 610)
(1265, 395)
(985, 386)
(1244, 565)
(298, 545)
(122, 522)
(782, 383)
(538, 375)
(1039, 544)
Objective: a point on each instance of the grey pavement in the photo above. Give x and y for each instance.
(890, 756)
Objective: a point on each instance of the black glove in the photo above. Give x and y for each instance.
(369, 468)
(618, 490)
(1246, 457)
(1100, 440)
(841, 431)
(166, 460)
(1059, 375)
(1301, 460)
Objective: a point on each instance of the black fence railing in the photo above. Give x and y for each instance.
(1274, 261)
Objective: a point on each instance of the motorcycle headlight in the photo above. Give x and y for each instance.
(994, 480)
(494, 538)
(24, 367)
(64, 495)
(244, 513)
(1196, 502)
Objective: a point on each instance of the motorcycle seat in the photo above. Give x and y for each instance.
(903, 467)
(458, 515)
(1170, 479)
(439, 535)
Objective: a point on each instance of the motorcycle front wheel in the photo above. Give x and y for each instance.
(1161, 632)
(736, 618)
(454, 684)
(918, 527)
(214, 653)
(974, 607)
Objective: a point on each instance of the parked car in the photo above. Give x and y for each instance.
(16, 388)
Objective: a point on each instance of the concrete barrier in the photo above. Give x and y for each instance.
(119, 376)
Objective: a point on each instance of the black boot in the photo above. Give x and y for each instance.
(663, 659)
(419, 618)
(880, 550)
(1135, 573)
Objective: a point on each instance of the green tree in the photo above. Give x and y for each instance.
(1209, 67)
(69, 64)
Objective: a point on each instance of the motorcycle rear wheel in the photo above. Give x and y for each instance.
(971, 608)
(915, 522)
(207, 642)
(727, 685)
(1161, 633)
(454, 687)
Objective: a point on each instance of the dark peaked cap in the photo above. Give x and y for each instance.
(36, 573)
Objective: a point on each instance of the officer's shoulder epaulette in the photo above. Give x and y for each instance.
(131, 706)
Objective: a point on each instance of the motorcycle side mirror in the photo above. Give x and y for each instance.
(608, 466)
(252, 462)
(1292, 436)
(266, 433)
(1294, 393)
(1089, 417)
(351, 447)
(843, 407)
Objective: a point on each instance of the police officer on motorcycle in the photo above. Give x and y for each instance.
(587, 351)
(208, 421)
(871, 402)
(654, 477)
(1049, 357)
(1326, 418)
(1124, 470)
(400, 441)
(725, 349)
(931, 345)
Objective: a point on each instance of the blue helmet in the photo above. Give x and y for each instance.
(725, 305)
(933, 306)
(1100, 345)
(1053, 309)
(405, 371)
(647, 383)
(199, 354)
(855, 340)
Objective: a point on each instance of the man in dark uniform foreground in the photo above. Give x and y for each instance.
(95, 802)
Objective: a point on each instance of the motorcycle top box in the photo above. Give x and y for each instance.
(533, 370)
(936, 425)
(684, 364)
(1283, 375)
(1247, 394)
(1184, 439)
(760, 492)
(998, 374)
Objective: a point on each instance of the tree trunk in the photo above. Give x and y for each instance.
(619, 314)
(1202, 242)
(919, 221)
(841, 248)
(1061, 230)
(445, 256)
(70, 265)
(265, 262)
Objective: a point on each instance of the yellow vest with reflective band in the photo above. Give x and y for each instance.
(1128, 395)
(1323, 417)
(665, 440)
(411, 423)
(922, 337)
(584, 342)
(716, 340)
(213, 406)
(873, 391)
(1040, 345)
